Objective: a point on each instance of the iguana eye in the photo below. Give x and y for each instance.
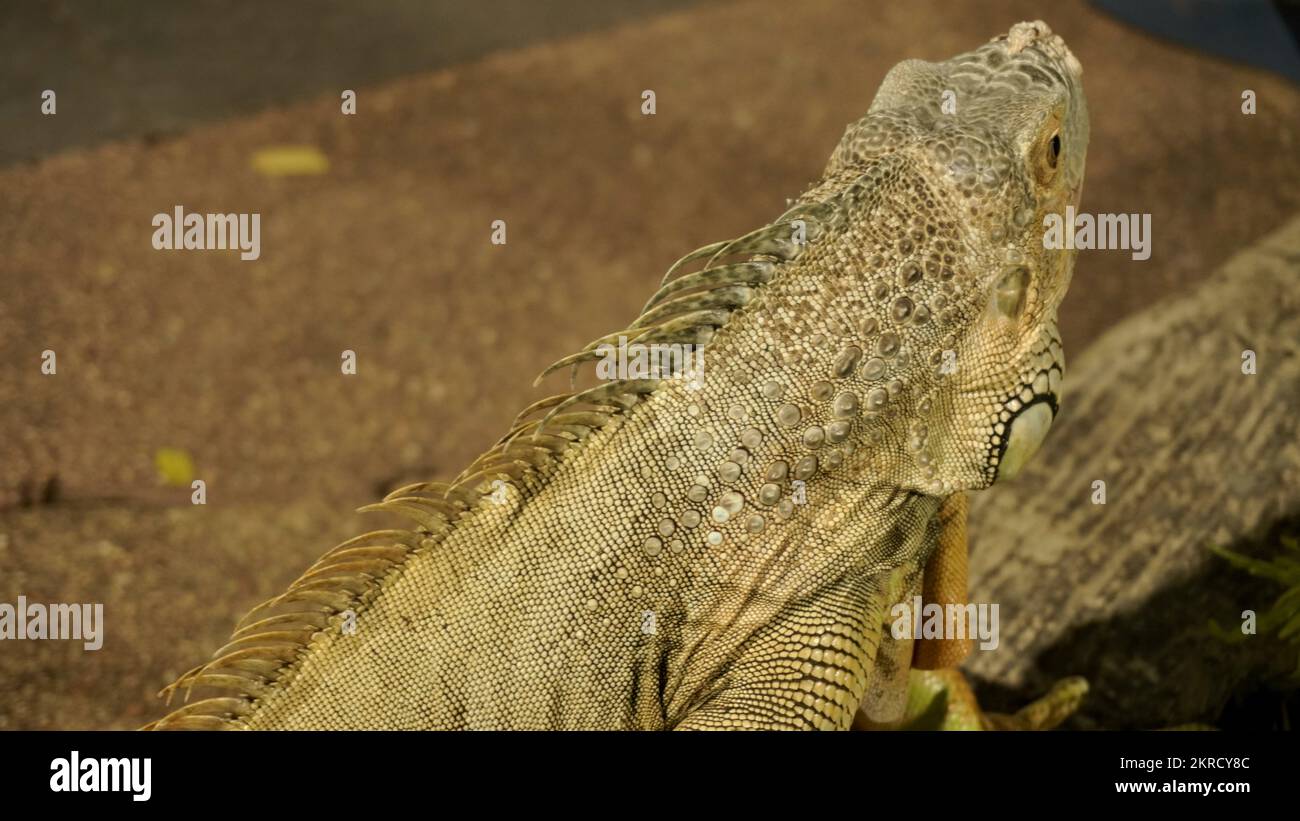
(1009, 295)
(1045, 154)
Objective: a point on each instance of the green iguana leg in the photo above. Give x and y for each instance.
(885, 706)
(944, 583)
(938, 696)
(1045, 713)
(807, 668)
(943, 700)
(830, 662)
(893, 700)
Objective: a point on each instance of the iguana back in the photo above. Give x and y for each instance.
(719, 548)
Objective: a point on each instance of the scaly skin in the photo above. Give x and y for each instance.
(635, 558)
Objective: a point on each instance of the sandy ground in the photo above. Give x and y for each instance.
(387, 253)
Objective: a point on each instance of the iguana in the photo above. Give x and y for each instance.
(723, 551)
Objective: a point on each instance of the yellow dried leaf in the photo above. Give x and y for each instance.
(175, 467)
(290, 161)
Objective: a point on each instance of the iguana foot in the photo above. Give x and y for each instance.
(944, 700)
(1045, 713)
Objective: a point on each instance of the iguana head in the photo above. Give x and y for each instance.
(1000, 135)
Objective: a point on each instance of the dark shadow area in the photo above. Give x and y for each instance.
(1162, 666)
(1253, 32)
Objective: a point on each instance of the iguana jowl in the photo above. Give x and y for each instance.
(889, 342)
